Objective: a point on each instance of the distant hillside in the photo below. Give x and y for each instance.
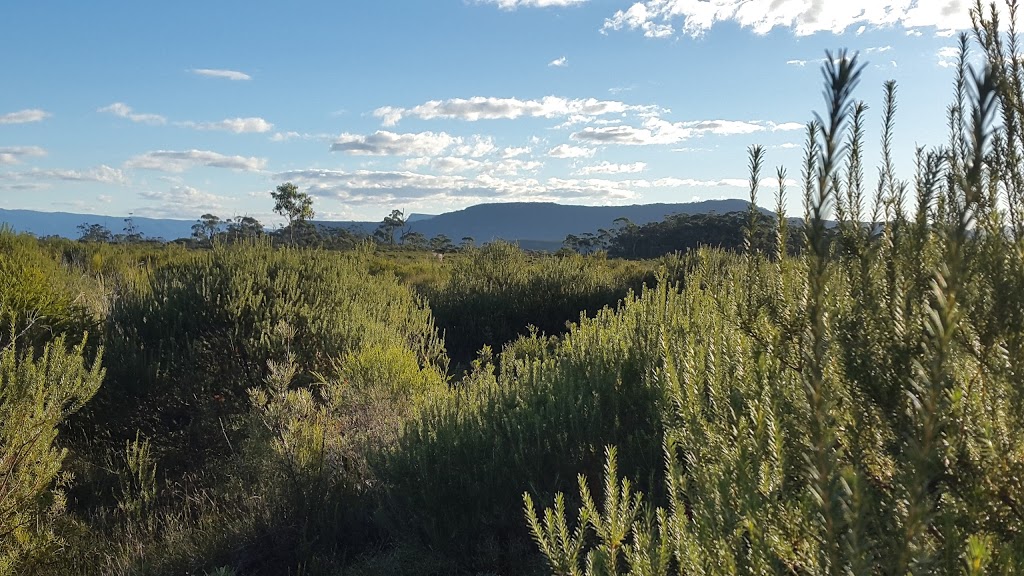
(66, 224)
(542, 225)
(535, 225)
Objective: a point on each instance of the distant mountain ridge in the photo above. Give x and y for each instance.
(542, 225)
(66, 224)
(536, 225)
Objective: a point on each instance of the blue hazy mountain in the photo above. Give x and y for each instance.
(538, 225)
(66, 224)
(534, 224)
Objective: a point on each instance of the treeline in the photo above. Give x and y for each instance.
(300, 230)
(678, 233)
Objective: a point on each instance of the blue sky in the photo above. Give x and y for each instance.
(174, 109)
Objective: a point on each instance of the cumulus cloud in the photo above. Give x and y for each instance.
(659, 131)
(413, 188)
(179, 161)
(102, 174)
(384, 143)
(641, 17)
(513, 4)
(15, 154)
(122, 110)
(568, 151)
(487, 108)
(610, 168)
(24, 116)
(512, 152)
(30, 179)
(948, 56)
(559, 62)
(457, 165)
(236, 125)
(180, 202)
(218, 73)
(365, 187)
(660, 18)
(512, 166)
(474, 147)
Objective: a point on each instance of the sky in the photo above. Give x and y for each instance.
(176, 109)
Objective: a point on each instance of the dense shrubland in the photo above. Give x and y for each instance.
(856, 410)
(803, 399)
(493, 294)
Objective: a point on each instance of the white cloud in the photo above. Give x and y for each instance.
(878, 49)
(444, 164)
(512, 167)
(24, 116)
(454, 164)
(486, 108)
(800, 63)
(289, 136)
(364, 187)
(15, 154)
(610, 168)
(226, 74)
(122, 110)
(384, 143)
(180, 202)
(567, 151)
(948, 56)
(412, 188)
(102, 174)
(236, 125)
(415, 163)
(513, 4)
(785, 126)
(475, 147)
(512, 152)
(179, 161)
(559, 62)
(639, 17)
(659, 131)
(620, 89)
(659, 18)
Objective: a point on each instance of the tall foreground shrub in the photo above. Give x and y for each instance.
(857, 410)
(38, 391)
(186, 346)
(258, 380)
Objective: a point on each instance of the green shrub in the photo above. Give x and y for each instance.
(496, 293)
(188, 344)
(41, 297)
(259, 378)
(856, 410)
(455, 477)
(38, 391)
